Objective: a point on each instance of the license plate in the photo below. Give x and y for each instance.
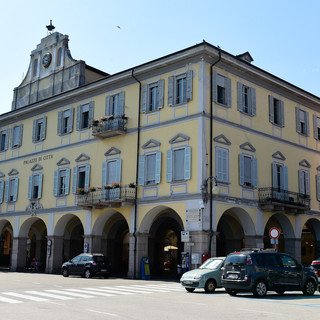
(188, 282)
(103, 270)
(233, 276)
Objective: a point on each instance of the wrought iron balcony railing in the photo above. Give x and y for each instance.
(287, 199)
(123, 196)
(110, 127)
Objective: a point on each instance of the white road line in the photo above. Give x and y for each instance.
(111, 290)
(24, 296)
(166, 287)
(73, 294)
(3, 299)
(91, 292)
(148, 289)
(101, 312)
(49, 295)
(129, 289)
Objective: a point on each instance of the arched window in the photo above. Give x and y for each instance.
(59, 57)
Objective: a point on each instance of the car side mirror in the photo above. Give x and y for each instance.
(222, 268)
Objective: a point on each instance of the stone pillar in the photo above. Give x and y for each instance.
(19, 254)
(292, 247)
(96, 244)
(254, 241)
(55, 260)
(136, 253)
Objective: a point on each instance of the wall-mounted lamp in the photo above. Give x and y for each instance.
(204, 188)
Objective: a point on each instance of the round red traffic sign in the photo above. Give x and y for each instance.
(274, 233)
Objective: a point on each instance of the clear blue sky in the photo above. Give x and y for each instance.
(282, 36)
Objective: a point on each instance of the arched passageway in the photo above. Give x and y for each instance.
(5, 243)
(310, 241)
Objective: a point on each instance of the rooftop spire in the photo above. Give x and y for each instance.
(50, 27)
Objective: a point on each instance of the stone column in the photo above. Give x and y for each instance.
(254, 241)
(136, 253)
(55, 260)
(19, 254)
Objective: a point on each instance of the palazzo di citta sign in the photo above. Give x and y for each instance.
(38, 159)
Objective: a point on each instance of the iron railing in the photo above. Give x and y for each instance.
(116, 125)
(276, 195)
(106, 196)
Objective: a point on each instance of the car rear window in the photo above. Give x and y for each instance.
(211, 264)
(236, 259)
(100, 259)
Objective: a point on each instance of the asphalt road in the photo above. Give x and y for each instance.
(31, 296)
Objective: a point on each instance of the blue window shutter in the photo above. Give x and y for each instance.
(34, 130)
(301, 185)
(189, 84)
(298, 124)
(169, 165)
(87, 179)
(1, 190)
(214, 86)
(91, 112)
(118, 170)
(108, 111)
(121, 103)
(158, 167)
(187, 163)
(144, 98)
(271, 109)
(315, 126)
(282, 113)
(40, 185)
(274, 176)
(16, 185)
(160, 93)
(239, 94)
(307, 123)
(255, 172)
(55, 183)
(70, 122)
(253, 101)
(142, 162)
(67, 181)
(74, 179)
(6, 196)
(318, 186)
(222, 164)
(78, 117)
(7, 139)
(11, 138)
(241, 169)
(171, 91)
(30, 188)
(104, 173)
(20, 134)
(44, 128)
(228, 91)
(59, 129)
(285, 178)
(307, 183)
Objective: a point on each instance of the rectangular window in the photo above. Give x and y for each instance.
(222, 164)
(16, 136)
(61, 182)
(81, 177)
(317, 186)
(316, 127)
(221, 89)
(302, 121)
(111, 172)
(279, 177)
(65, 121)
(115, 104)
(246, 99)
(11, 190)
(180, 88)
(39, 129)
(248, 171)
(84, 115)
(35, 186)
(153, 97)
(4, 138)
(151, 168)
(304, 182)
(178, 164)
(276, 111)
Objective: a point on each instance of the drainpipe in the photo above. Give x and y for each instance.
(211, 150)
(137, 177)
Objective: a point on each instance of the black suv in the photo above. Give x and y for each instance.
(87, 265)
(259, 271)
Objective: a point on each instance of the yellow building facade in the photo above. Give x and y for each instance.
(197, 152)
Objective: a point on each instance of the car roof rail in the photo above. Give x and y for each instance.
(258, 250)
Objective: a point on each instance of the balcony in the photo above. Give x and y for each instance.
(110, 198)
(109, 127)
(274, 199)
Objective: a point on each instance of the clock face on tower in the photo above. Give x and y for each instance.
(46, 60)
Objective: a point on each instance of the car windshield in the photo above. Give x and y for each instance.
(236, 259)
(100, 259)
(211, 264)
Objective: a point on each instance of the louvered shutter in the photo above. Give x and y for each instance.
(40, 185)
(189, 84)
(144, 98)
(301, 184)
(318, 186)
(74, 180)
(55, 183)
(34, 131)
(187, 163)
(118, 170)
(315, 126)
(30, 188)
(160, 93)
(78, 117)
(104, 173)
(120, 110)
(171, 91)
(70, 121)
(169, 165)
(255, 172)
(1, 190)
(6, 197)
(298, 123)
(60, 119)
(141, 178)
(239, 95)
(91, 113)
(158, 167)
(271, 109)
(43, 129)
(15, 192)
(241, 169)
(214, 86)
(228, 91)
(67, 181)
(6, 139)
(108, 111)
(306, 115)
(253, 101)
(282, 113)
(87, 178)
(285, 178)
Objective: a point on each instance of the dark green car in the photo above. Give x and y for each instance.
(261, 271)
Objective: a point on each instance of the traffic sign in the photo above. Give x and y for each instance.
(274, 233)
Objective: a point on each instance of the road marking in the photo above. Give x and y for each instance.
(24, 296)
(73, 294)
(90, 292)
(259, 311)
(101, 312)
(111, 290)
(167, 287)
(136, 290)
(49, 295)
(148, 289)
(3, 299)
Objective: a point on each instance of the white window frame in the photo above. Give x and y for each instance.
(302, 122)
(304, 182)
(86, 108)
(187, 88)
(316, 127)
(11, 192)
(65, 121)
(105, 168)
(4, 140)
(76, 174)
(39, 129)
(16, 136)
(58, 175)
(35, 189)
(246, 99)
(222, 164)
(143, 169)
(276, 111)
(186, 161)
(253, 170)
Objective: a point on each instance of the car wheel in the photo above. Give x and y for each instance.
(280, 292)
(65, 272)
(309, 288)
(190, 289)
(87, 273)
(232, 292)
(259, 289)
(210, 286)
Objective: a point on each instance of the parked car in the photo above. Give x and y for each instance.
(207, 276)
(87, 265)
(260, 271)
(315, 266)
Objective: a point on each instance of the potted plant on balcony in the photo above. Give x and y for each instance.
(103, 118)
(95, 122)
(107, 187)
(110, 117)
(116, 185)
(92, 189)
(132, 185)
(80, 191)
